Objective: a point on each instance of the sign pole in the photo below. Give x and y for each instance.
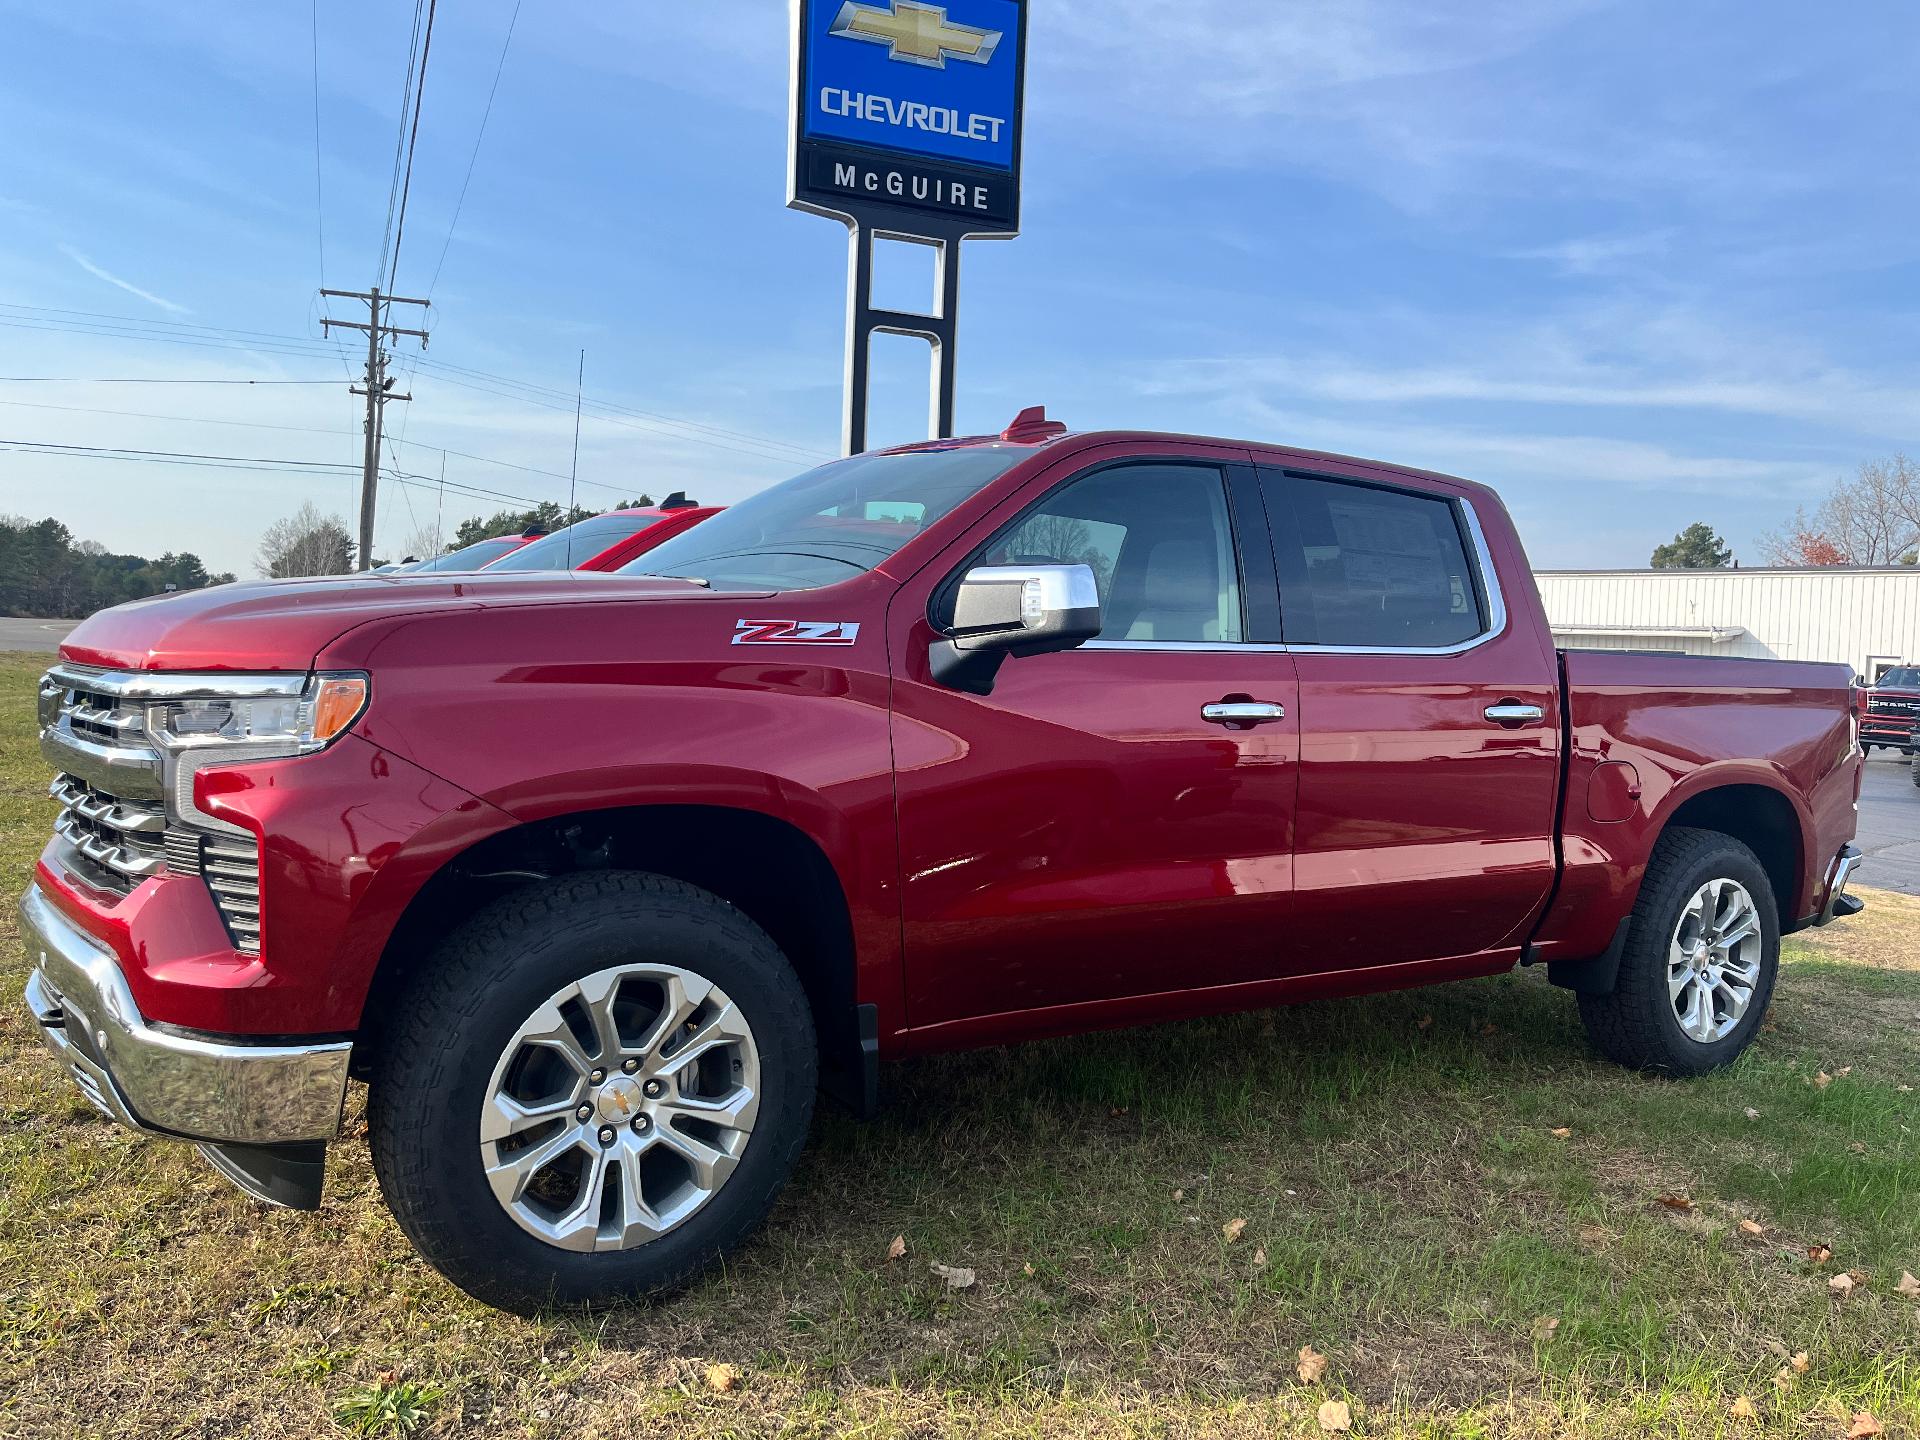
(905, 125)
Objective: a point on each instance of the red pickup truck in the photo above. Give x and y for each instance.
(596, 879)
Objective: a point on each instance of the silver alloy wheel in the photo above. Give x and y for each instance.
(1713, 960)
(620, 1107)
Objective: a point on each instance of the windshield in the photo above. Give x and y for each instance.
(576, 544)
(829, 524)
(1904, 679)
(472, 558)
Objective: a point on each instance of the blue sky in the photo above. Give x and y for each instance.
(1636, 264)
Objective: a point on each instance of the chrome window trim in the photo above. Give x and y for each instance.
(1489, 582)
(1225, 647)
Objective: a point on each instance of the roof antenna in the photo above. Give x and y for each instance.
(1031, 426)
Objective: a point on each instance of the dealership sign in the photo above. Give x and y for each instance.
(906, 114)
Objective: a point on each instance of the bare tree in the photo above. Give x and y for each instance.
(305, 543)
(1870, 518)
(422, 543)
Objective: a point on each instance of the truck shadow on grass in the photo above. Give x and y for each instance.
(1412, 1210)
(1445, 1189)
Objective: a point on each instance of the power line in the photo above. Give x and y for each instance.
(443, 450)
(413, 141)
(319, 200)
(142, 380)
(400, 140)
(528, 392)
(485, 115)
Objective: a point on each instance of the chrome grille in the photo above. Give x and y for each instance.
(123, 838)
(112, 827)
(231, 865)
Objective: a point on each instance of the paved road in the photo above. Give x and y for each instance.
(1890, 824)
(42, 635)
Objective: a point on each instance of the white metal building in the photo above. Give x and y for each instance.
(1868, 619)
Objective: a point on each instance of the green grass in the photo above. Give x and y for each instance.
(1409, 1211)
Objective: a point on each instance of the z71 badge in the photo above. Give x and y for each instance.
(795, 632)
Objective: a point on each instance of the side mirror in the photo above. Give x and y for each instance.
(1003, 610)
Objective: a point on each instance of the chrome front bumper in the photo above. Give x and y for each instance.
(164, 1081)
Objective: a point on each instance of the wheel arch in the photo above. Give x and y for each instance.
(1761, 816)
(771, 869)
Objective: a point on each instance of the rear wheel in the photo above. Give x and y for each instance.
(1701, 958)
(597, 1086)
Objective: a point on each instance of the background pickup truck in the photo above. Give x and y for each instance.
(596, 878)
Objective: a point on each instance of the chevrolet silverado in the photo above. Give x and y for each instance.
(597, 879)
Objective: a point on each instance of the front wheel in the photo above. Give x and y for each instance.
(1701, 958)
(594, 1088)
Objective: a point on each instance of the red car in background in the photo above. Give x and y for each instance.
(606, 542)
(476, 556)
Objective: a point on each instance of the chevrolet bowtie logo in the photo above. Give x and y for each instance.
(916, 33)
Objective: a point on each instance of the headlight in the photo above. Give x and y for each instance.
(268, 715)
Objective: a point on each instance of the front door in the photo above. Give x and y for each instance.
(1099, 826)
(1429, 726)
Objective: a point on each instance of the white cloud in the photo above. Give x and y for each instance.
(127, 285)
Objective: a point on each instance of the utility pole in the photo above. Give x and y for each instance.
(377, 388)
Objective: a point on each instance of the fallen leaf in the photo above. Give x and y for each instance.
(1425, 1022)
(1819, 1254)
(897, 1248)
(1233, 1228)
(1752, 1114)
(1743, 1409)
(1822, 1080)
(1336, 1417)
(1544, 1327)
(1863, 1426)
(958, 1277)
(1561, 1133)
(723, 1378)
(1260, 1258)
(1800, 1361)
(1841, 1285)
(1752, 1227)
(1908, 1286)
(1312, 1367)
(1676, 1202)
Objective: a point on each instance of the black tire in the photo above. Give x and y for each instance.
(452, 1022)
(1637, 1025)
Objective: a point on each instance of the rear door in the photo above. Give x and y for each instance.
(1429, 725)
(1099, 827)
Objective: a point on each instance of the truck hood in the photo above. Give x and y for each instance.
(284, 624)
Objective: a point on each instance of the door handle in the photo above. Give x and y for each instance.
(1512, 712)
(1242, 712)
